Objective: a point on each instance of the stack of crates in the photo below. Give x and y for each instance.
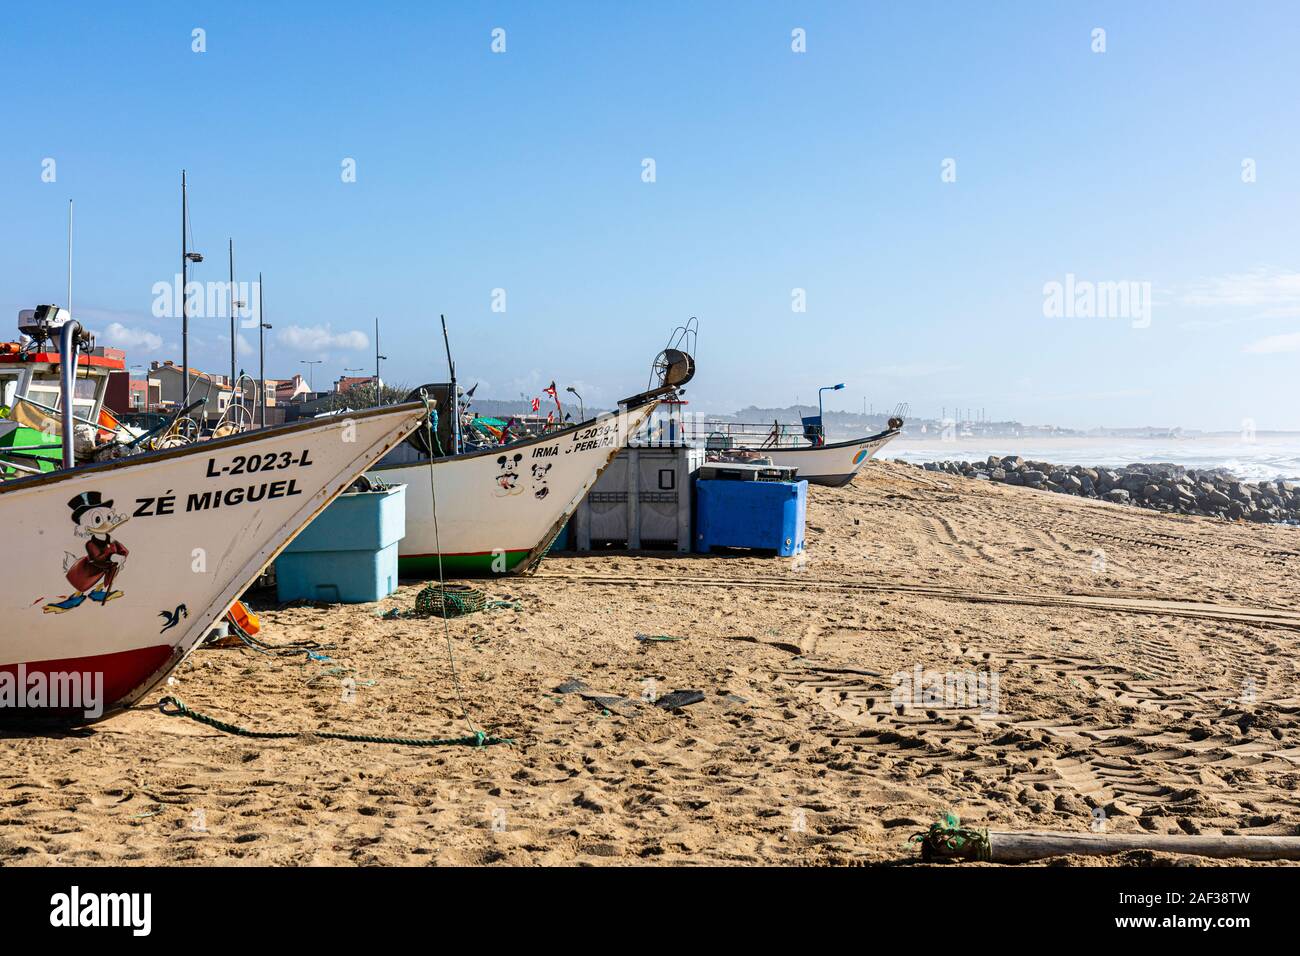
(642, 500)
(348, 554)
(750, 506)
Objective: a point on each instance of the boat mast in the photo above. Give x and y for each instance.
(455, 400)
(261, 348)
(185, 299)
(69, 258)
(233, 303)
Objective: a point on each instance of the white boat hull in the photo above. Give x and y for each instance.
(833, 465)
(118, 570)
(500, 509)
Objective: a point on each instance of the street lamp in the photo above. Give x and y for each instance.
(235, 306)
(311, 372)
(345, 373)
(820, 423)
(187, 257)
(582, 411)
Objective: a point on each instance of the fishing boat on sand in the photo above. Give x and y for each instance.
(803, 448)
(499, 509)
(834, 464)
(121, 567)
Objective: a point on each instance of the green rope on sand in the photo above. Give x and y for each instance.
(949, 839)
(175, 707)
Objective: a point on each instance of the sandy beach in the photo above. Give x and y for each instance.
(1145, 682)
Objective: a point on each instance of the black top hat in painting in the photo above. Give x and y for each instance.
(84, 502)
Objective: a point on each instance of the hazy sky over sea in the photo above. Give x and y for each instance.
(920, 171)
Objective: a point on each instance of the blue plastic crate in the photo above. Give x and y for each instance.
(764, 515)
(349, 553)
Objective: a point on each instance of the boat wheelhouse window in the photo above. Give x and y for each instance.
(8, 388)
(45, 389)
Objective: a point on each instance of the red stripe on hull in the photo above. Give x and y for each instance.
(123, 672)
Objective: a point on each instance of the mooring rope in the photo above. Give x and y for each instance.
(175, 707)
(278, 650)
(429, 419)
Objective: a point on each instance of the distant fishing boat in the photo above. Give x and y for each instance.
(833, 465)
(118, 569)
(822, 464)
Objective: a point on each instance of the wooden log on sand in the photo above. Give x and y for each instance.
(1012, 847)
(999, 846)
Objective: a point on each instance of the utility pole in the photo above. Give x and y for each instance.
(185, 299)
(186, 258)
(234, 304)
(261, 348)
(379, 388)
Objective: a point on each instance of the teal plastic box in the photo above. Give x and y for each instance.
(348, 554)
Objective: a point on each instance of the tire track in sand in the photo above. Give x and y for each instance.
(1262, 617)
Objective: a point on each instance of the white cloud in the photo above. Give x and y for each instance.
(243, 347)
(1267, 287)
(1273, 344)
(1238, 297)
(319, 338)
(123, 337)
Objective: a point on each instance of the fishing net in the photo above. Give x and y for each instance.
(449, 600)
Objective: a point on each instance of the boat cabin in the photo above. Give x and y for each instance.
(30, 389)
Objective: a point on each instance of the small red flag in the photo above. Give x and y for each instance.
(537, 404)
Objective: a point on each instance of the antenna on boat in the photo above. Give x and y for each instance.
(455, 399)
(69, 257)
(185, 311)
(234, 305)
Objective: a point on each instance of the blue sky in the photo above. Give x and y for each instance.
(774, 171)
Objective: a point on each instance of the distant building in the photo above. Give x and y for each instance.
(117, 396)
(288, 391)
(145, 394)
(348, 383)
(213, 390)
(268, 391)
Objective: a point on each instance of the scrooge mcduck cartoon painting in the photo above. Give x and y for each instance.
(92, 576)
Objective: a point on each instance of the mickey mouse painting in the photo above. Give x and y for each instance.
(507, 480)
(92, 576)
